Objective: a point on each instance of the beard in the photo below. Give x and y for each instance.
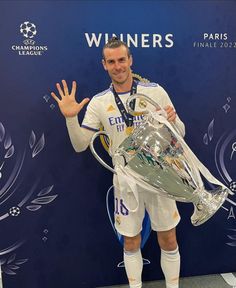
(121, 81)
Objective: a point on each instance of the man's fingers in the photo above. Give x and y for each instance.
(73, 90)
(171, 116)
(55, 97)
(65, 87)
(168, 108)
(171, 112)
(60, 90)
(84, 102)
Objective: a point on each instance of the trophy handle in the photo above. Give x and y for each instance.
(160, 110)
(142, 97)
(91, 145)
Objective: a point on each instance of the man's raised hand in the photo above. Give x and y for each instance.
(67, 103)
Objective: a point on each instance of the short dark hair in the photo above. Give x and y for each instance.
(114, 42)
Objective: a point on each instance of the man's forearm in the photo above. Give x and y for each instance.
(79, 137)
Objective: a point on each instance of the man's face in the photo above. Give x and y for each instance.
(117, 63)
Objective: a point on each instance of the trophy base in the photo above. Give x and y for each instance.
(207, 204)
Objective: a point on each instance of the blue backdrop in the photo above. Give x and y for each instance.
(55, 204)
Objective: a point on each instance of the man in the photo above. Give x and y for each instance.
(107, 109)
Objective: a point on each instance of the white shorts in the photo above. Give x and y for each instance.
(162, 211)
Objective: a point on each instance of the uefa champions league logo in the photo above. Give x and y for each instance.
(28, 29)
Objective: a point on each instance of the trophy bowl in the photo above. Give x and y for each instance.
(156, 157)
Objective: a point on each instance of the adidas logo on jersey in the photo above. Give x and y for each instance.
(110, 108)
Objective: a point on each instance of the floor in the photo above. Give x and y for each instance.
(206, 281)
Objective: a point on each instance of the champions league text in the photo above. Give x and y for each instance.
(29, 50)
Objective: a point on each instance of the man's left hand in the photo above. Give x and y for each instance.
(171, 114)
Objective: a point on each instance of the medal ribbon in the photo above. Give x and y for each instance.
(128, 118)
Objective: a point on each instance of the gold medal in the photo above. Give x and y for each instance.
(129, 130)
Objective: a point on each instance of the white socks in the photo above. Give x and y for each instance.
(134, 265)
(170, 264)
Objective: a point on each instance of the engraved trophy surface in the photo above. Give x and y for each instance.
(157, 158)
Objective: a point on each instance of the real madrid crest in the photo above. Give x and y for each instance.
(142, 104)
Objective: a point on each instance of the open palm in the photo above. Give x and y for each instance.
(67, 103)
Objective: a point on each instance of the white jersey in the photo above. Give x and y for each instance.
(102, 111)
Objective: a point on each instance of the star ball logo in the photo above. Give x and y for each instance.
(29, 31)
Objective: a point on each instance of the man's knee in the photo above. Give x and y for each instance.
(167, 240)
(132, 243)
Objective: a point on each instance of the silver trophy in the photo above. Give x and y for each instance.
(156, 157)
